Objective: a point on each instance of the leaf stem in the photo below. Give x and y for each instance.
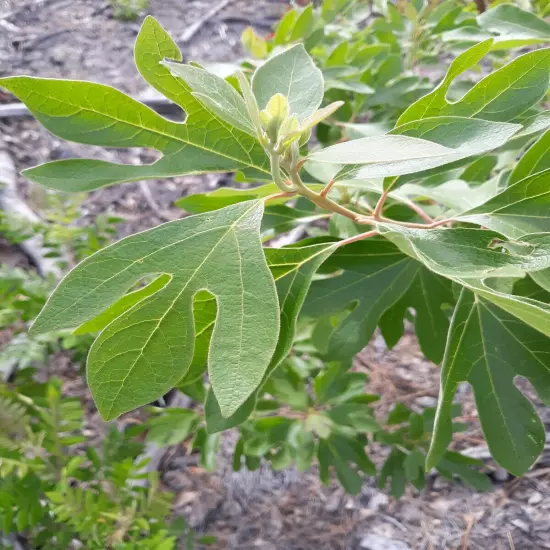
(324, 202)
(359, 237)
(415, 208)
(280, 195)
(327, 189)
(377, 213)
(417, 225)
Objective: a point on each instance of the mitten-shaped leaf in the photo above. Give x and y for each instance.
(500, 96)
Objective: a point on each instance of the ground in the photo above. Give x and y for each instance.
(253, 510)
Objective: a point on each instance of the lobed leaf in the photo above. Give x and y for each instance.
(96, 114)
(500, 96)
(370, 276)
(216, 94)
(147, 349)
(488, 348)
(427, 295)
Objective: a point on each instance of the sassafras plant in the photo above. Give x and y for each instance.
(468, 261)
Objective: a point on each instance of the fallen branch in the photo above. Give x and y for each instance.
(12, 204)
(197, 25)
(161, 105)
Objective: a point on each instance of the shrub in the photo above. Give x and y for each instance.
(415, 207)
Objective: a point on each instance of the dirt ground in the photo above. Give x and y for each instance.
(260, 510)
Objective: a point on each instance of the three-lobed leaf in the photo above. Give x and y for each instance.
(488, 347)
(148, 348)
(500, 96)
(96, 114)
(369, 277)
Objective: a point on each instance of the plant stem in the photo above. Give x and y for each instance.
(321, 200)
(275, 160)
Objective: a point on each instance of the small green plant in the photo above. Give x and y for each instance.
(128, 10)
(415, 207)
(55, 487)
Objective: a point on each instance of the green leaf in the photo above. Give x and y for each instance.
(536, 159)
(416, 146)
(535, 124)
(303, 445)
(519, 209)
(215, 94)
(254, 44)
(335, 386)
(500, 96)
(394, 470)
(304, 24)
(531, 311)
(171, 426)
(224, 196)
(119, 307)
(284, 27)
(480, 170)
(204, 315)
(515, 27)
(370, 276)
(488, 348)
(455, 464)
(340, 452)
(413, 466)
(208, 445)
(100, 115)
(159, 330)
(470, 253)
(292, 269)
(293, 74)
(427, 295)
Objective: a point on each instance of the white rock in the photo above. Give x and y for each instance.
(378, 542)
(378, 501)
(535, 498)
